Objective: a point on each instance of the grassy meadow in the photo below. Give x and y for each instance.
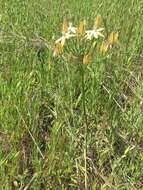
(53, 134)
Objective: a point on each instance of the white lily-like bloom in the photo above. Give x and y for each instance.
(72, 29)
(95, 33)
(71, 32)
(65, 37)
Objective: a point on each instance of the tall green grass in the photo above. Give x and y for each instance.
(41, 123)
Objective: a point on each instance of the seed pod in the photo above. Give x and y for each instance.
(98, 21)
(81, 28)
(104, 47)
(113, 38)
(58, 50)
(65, 26)
(87, 59)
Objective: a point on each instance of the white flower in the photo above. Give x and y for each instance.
(72, 29)
(95, 33)
(65, 37)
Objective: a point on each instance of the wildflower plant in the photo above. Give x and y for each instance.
(82, 44)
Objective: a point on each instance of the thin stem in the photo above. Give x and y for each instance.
(86, 125)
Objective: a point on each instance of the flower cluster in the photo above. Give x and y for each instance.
(84, 41)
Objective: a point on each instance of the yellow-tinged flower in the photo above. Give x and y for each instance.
(87, 59)
(98, 21)
(65, 26)
(113, 38)
(95, 33)
(81, 28)
(105, 46)
(58, 49)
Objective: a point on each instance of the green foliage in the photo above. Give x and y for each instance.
(41, 112)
